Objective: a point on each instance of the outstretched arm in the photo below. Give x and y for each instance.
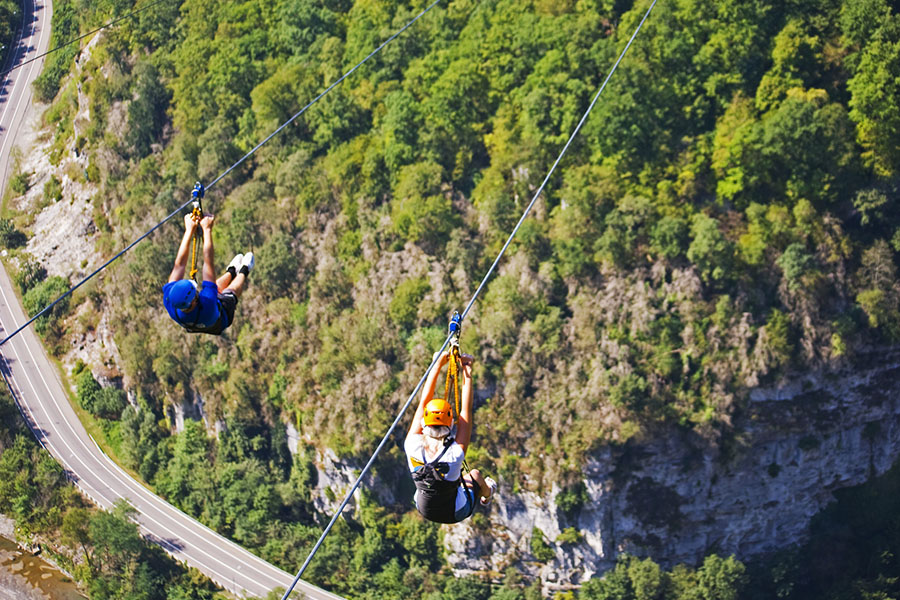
(427, 394)
(181, 258)
(464, 427)
(209, 266)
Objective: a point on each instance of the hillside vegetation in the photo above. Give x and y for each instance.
(102, 550)
(727, 216)
(10, 21)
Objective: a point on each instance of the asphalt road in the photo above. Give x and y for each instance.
(15, 90)
(39, 391)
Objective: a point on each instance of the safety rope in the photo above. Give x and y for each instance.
(196, 215)
(226, 172)
(195, 245)
(453, 367)
(81, 37)
(453, 333)
(454, 362)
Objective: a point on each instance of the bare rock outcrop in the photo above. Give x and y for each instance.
(675, 498)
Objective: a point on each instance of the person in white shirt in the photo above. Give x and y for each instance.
(435, 458)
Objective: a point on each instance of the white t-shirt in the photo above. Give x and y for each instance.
(454, 456)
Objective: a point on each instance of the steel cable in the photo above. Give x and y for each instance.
(81, 37)
(226, 172)
(466, 311)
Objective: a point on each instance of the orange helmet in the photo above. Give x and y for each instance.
(438, 412)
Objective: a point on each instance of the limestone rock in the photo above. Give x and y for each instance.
(676, 498)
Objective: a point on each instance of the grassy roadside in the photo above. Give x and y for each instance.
(91, 423)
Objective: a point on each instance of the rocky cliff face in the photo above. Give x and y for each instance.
(675, 499)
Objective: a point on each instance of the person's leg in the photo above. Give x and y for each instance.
(237, 286)
(223, 281)
(246, 265)
(482, 488)
(467, 494)
(230, 274)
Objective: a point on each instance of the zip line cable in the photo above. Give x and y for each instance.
(468, 308)
(328, 89)
(553, 168)
(227, 171)
(83, 281)
(81, 37)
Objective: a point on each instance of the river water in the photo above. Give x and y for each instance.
(27, 577)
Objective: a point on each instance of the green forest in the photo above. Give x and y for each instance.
(726, 217)
(105, 552)
(852, 554)
(10, 21)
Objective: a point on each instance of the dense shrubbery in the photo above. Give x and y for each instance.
(10, 21)
(749, 181)
(633, 579)
(114, 560)
(103, 402)
(64, 29)
(53, 190)
(41, 295)
(725, 217)
(29, 274)
(10, 237)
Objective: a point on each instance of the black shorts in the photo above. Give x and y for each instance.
(227, 304)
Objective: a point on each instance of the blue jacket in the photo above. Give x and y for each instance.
(205, 316)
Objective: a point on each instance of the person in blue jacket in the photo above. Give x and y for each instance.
(209, 309)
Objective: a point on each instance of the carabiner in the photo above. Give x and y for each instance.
(455, 328)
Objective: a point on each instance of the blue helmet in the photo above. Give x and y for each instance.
(182, 294)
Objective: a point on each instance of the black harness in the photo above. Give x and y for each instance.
(436, 500)
(215, 329)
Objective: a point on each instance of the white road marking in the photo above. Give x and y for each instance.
(281, 578)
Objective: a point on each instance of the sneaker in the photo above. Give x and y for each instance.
(235, 262)
(493, 485)
(248, 261)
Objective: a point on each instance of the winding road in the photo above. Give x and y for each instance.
(40, 393)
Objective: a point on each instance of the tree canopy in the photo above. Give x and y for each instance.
(724, 219)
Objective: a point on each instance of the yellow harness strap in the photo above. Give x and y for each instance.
(453, 376)
(453, 368)
(196, 214)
